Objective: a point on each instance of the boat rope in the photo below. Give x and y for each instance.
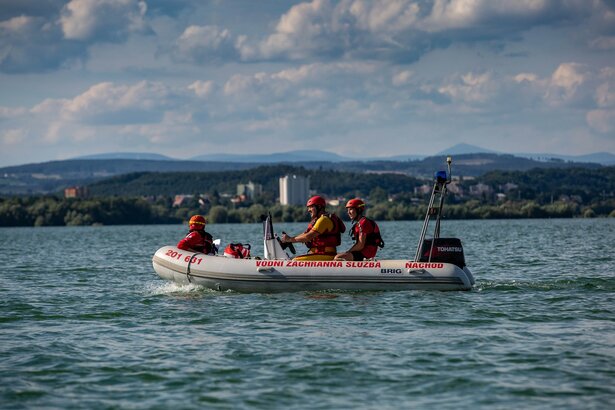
(188, 267)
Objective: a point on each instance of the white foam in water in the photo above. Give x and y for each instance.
(170, 288)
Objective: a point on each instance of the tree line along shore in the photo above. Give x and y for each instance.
(149, 198)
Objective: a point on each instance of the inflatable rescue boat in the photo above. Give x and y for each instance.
(439, 264)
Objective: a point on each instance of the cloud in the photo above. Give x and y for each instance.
(500, 16)
(300, 98)
(576, 89)
(527, 77)
(602, 43)
(103, 20)
(12, 112)
(321, 102)
(470, 88)
(52, 34)
(205, 44)
(572, 84)
(108, 104)
(601, 120)
(568, 76)
(565, 85)
(295, 91)
(13, 136)
(32, 44)
(405, 30)
(605, 94)
(58, 34)
(202, 88)
(35, 8)
(305, 29)
(348, 29)
(401, 78)
(174, 127)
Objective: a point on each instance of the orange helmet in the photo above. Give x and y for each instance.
(316, 200)
(355, 203)
(197, 222)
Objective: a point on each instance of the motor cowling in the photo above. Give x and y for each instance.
(447, 250)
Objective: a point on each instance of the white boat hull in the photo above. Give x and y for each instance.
(278, 275)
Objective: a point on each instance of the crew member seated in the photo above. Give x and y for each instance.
(323, 233)
(364, 232)
(197, 239)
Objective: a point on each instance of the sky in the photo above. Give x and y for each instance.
(358, 78)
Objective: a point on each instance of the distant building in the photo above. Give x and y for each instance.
(249, 190)
(179, 200)
(455, 188)
(294, 190)
(509, 186)
(423, 189)
(76, 192)
(480, 189)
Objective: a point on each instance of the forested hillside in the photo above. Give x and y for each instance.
(536, 184)
(328, 182)
(544, 184)
(142, 198)
(53, 176)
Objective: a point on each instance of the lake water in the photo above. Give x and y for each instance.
(86, 323)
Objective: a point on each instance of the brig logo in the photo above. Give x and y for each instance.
(391, 271)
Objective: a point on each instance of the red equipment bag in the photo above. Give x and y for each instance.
(237, 250)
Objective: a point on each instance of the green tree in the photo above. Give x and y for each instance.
(378, 194)
(218, 214)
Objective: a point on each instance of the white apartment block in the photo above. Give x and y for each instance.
(294, 190)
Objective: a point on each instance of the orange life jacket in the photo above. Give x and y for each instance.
(329, 239)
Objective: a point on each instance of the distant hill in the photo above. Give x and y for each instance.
(127, 155)
(280, 157)
(53, 176)
(50, 177)
(604, 158)
(461, 149)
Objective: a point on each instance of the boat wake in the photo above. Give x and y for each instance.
(580, 283)
(172, 288)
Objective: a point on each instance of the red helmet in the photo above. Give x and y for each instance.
(316, 200)
(355, 203)
(197, 222)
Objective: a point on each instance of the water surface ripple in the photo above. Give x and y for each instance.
(86, 323)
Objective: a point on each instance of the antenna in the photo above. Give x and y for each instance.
(441, 180)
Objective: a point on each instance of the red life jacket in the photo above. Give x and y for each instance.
(201, 242)
(237, 250)
(373, 240)
(329, 239)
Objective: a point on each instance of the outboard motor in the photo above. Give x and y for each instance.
(447, 250)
